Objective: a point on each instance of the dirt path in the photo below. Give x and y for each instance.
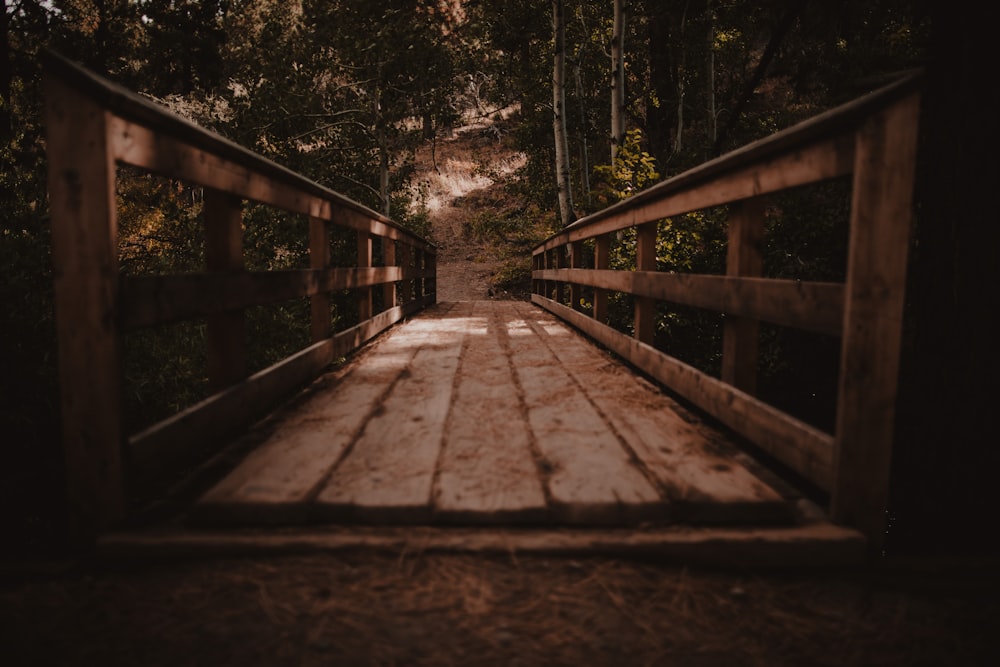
(457, 173)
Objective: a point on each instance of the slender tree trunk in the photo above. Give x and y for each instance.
(584, 157)
(617, 81)
(679, 137)
(563, 184)
(710, 74)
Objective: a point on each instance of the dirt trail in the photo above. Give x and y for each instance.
(459, 176)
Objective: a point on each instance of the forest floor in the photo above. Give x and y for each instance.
(415, 608)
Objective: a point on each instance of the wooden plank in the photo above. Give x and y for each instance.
(149, 300)
(226, 330)
(744, 258)
(587, 471)
(81, 182)
(873, 320)
(205, 426)
(602, 261)
(810, 545)
(575, 262)
(389, 290)
(320, 321)
(276, 482)
(388, 474)
(364, 294)
(486, 473)
(645, 260)
(801, 447)
(810, 306)
(695, 467)
(826, 160)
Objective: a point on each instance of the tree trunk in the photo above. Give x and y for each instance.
(679, 137)
(563, 184)
(617, 81)
(710, 73)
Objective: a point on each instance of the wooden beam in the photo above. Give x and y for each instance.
(801, 447)
(389, 290)
(873, 319)
(364, 262)
(226, 334)
(575, 262)
(81, 182)
(321, 324)
(645, 260)
(744, 258)
(602, 260)
(816, 307)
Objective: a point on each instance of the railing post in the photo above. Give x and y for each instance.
(430, 282)
(884, 168)
(406, 262)
(418, 267)
(389, 259)
(226, 333)
(561, 263)
(744, 258)
(575, 262)
(645, 260)
(602, 260)
(364, 262)
(81, 181)
(319, 258)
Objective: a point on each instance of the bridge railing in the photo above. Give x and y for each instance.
(872, 140)
(93, 126)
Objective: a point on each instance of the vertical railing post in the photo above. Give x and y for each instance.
(744, 258)
(81, 182)
(418, 266)
(645, 260)
(560, 263)
(226, 332)
(319, 259)
(430, 283)
(575, 262)
(389, 259)
(548, 286)
(884, 169)
(364, 262)
(602, 260)
(405, 252)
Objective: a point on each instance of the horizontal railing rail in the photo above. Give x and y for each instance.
(93, 126)
(874, 141)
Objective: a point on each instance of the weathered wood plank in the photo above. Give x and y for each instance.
(810, 306)
(695, 467)
(149, 300)
(226, 330)
(744, 258)
(589, 475)
(388, 474)
(814, 544)
(801, 447)
(876, 284)
(320, 322)
(645, 260)
(206, 426)
(276, 482)
(81, 181)
(487, 473)
(682, 194)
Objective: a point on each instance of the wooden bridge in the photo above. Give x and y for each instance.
(482, 425)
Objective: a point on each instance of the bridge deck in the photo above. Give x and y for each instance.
(491, 413)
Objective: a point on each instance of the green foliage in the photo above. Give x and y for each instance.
(634, 170)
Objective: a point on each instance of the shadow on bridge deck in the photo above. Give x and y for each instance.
(493, 426)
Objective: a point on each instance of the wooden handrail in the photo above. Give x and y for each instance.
(874, 140)
(93, 125)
